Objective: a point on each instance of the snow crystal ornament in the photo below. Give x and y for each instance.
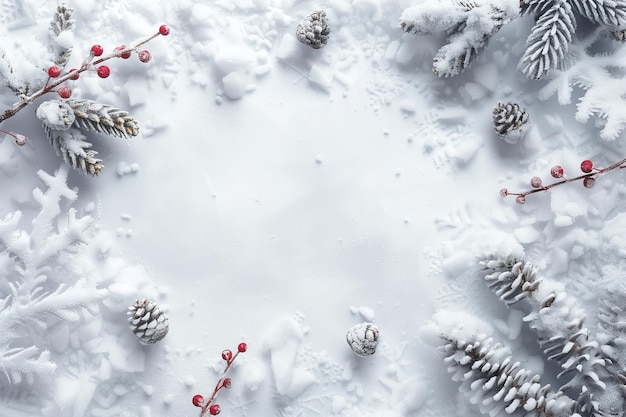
(56, 114)
(314, 30)
(363, 338)
(510, 122)
(147, 321)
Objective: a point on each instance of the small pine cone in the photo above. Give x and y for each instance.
(510, 122)
(314, 30)
(147, 321)
(363, 338)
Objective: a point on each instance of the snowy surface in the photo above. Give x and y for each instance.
(280, 195)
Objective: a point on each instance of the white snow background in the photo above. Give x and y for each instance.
(278, 195)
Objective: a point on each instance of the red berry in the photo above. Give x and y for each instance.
(124, 55)
(164, 30)
(535, 182)
(242, 347)
(520, 199)
(214, 409)
(103, 71)
(198, 400)
(75, 76)
(97, 50)
(145, 56)
(227, 355)
(504, 192)
(586, 166)
(65, 92)
(54, 71)
(226, 383)
(557, 171)
(589, 182)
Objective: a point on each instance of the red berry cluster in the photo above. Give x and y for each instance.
(223, 382)
(590, 173)
(103, 71)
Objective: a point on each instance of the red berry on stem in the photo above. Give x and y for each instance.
(589, 182)
(103, 71)
(504, 192)
(227, 355)
(198, 400)
(214, 409)
(535, 182)
(520, 199)
(226, 383)
(556, 171)
(242, 347)
(75, 76)
(65, 92)
(164, 30)
(97, 50)
(54, 71)
(145, 56)
(586, 166)
(124, 55)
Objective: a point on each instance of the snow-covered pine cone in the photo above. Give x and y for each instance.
(363, 338)
(510, 121)
(314, 30)
(147, 321)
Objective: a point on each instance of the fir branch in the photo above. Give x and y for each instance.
(61, 22)
(558, 322)
(73, 147)
(549, 40)
(103, 118)
(607, 12)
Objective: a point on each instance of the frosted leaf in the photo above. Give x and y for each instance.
(363, 338)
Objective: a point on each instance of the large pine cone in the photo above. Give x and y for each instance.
(147, 321)
(510, 122)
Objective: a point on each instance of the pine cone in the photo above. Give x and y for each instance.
(314, 30)
(147, 321)
(510, 122)
(363, 338)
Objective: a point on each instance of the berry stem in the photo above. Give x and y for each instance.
(220, 384)
(25, 100)
(596, 172)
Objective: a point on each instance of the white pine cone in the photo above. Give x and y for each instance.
(363, 338)
(147, 321)
(510, 122)
(313, 30)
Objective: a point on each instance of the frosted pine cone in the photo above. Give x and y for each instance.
(147, 321)
(510, 122)
(363, 338)
(314, 30)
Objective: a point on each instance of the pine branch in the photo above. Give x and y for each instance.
(489, 376)
(468, 24)
(103, 118)
(558, 322)
(549, 40)
(73, 147)
(608, 12)
(57, 45)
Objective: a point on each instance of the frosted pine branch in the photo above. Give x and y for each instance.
(489, 376)
(558, 322)
(103, 118)
(61, 35)
(75, 150)
(468, 24)
(609, 13)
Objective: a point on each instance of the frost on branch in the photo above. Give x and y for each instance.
(61, 33)
(63, 119)
(39, 291)
(595, 73)
(548, 44)
(468, 24)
